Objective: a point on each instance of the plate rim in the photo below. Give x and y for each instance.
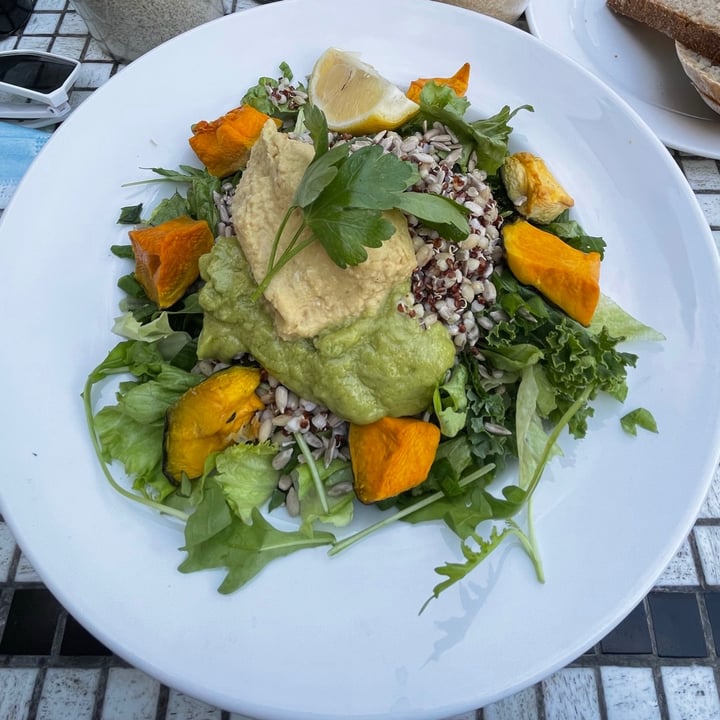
(561, 661)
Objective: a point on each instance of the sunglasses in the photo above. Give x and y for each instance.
(42, 78)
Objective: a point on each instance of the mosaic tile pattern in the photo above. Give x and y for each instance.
(660, 663)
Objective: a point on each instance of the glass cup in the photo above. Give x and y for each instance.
(13, 15)
(129, 28)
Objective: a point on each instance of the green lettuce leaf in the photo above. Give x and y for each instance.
(340, 507)
(247, 477)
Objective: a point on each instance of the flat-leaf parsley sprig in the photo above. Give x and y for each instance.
(342, 196)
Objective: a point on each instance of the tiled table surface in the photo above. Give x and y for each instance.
(661, 662)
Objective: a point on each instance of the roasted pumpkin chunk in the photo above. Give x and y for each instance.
(223, 145)
(568, 277)
(533, 189)
(457, 82)
(390, 456)
(166, 257)
(208, 418)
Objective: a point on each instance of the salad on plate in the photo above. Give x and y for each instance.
(359, 296)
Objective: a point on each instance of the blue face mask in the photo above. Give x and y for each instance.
(19, 146)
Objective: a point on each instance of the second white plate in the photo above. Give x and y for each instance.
(637, 62)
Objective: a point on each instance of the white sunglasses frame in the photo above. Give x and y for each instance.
(45, 108)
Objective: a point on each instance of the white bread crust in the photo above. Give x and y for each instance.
(694, 23)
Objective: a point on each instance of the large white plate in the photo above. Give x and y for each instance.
(314, 637)
(636, 61)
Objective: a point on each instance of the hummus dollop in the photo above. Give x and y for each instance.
(311, 293)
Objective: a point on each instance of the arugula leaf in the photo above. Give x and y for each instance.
(125, 252)
(572, 233)
(168, 209)
(410, 511)
(200, 200)
(455, 572)
(130, 215)
(638, 418)
(243, 549)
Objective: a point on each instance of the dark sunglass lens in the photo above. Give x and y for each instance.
(33, 73)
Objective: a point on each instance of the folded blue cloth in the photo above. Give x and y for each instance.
(18, 147)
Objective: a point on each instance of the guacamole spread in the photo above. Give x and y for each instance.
(376, 365)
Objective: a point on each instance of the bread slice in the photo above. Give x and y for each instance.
(704, 74)
(694, 23)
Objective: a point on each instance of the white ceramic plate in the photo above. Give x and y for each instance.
(636, 61)
(315, 637)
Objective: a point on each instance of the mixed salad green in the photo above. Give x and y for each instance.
(546, 368)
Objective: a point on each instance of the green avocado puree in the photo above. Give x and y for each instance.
(375, 366)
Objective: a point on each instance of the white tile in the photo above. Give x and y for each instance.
(630, 693)
(68, 694)
(16, 688)
(69, 46)
(571, 694)
(42, 24)
(681, 569)
(28, 42)
(707, 538)
(520, 706)
(702, 173)
(7, 551)
(93, 74)
(49, 5)
(710, 205)
(25, 572)
(183, 707)
(96, 51)
(711, 506)
(691, 693)
(130, 694)
(73, 24)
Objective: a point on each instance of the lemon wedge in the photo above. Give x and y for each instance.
(354, 97)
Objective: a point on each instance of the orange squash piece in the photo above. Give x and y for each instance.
(208, 418)
(391, 455)
(568, 277)
(533, 189)
(223, 145)
(458, 82)
(166, 257)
